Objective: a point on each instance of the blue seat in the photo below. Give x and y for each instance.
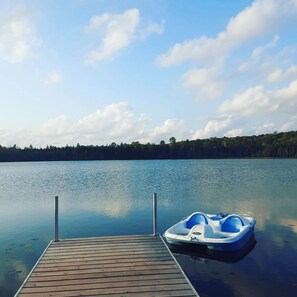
(196, 219)
(232, 224)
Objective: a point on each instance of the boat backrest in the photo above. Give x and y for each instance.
(232, 224)
(196, 219)
(208, 232)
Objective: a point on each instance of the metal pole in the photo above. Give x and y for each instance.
(56, 218)
(155, 214)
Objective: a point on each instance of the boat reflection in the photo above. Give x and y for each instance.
(197, 252)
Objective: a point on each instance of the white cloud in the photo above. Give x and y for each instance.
(17, 36)
(212, 82)
(257, 100)
(212, 76)
(206, 81)
(234, 132)
(54, 78)
(171, 127)
(270, 68)
(263, 16)
(201, 50)
(288, 126)
(113, 123)
(274, 75)
(258, 54)
(118, 31)
(215, 127)
(246, 103)
(60, 126)
(278, 74)
(153, 28)
(264, 129)
(260, 50)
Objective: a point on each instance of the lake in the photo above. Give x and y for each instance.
(115, 198)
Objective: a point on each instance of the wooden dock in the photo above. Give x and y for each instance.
(107, 266)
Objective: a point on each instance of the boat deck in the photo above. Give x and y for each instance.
(107, 266)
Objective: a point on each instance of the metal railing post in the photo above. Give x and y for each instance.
(56, 218)
(155, 214)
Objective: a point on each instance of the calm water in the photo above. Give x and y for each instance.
(114, 198)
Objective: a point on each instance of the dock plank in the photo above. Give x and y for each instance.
(125, 266)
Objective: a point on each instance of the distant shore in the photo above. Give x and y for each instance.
(276, 145)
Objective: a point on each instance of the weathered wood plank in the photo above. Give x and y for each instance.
(94, 252)
(112, 265)
(104, 252)
(179, 293)
(130, 238)
(108, 266)
(106, 243)
(114, 247)
(109, 247)
(81, 276)
(91, 280)
(102, 261)
(104, 270)
(89, 256)
(62, 244)
(105, 292)
(117, 284)
(104, 255)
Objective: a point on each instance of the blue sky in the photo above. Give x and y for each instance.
(97, 72)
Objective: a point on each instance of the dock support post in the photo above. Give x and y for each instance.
(56, 218)
(155, 214)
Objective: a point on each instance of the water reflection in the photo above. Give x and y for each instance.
(114, 198)
(115, 204)
(17, 257)
(268, 269)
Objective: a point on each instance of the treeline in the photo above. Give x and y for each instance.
(276, 145)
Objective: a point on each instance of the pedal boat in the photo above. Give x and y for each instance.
(220, 232)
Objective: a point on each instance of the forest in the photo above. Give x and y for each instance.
(276, 145)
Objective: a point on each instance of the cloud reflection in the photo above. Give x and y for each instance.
(291, 223)
(263, 272)
(20, 268)
(112, 207)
